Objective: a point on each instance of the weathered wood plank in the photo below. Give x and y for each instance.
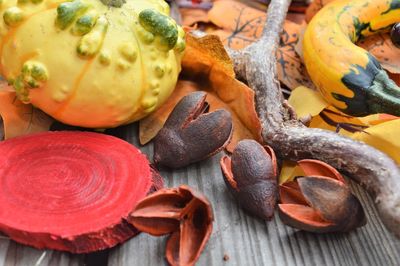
(249, 241)
(15, 254)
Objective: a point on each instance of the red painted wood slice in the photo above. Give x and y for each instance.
(70, 191)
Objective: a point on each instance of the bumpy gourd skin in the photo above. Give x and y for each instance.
(348, 76)
(90, 64)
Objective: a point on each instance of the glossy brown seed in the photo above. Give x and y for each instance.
(182, 212)
(190, 134)
(250, 175)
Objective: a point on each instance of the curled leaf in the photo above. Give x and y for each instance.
(381, 46)
(383, 136)
(183, 212)
(309, 102)
(19, 118)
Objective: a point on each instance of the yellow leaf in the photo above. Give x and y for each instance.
(384, 136)
(289, 171)
(307, 102)
(19, 118)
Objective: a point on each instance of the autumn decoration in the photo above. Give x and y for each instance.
(320, 201)
(294, 94)
(190, 134)
(251, 176)
(182, 213)
(73, 190)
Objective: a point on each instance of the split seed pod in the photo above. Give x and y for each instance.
(190, 134)
(182, 212)
(320, 204)
(251, 176)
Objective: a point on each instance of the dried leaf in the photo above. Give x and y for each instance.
(19, 118)
(192, 16)
(307, 102)
(315, 6)
(378, 130)
(384, 50)
(289, 171)
(384, 136)
(208, 68)
(241, 25)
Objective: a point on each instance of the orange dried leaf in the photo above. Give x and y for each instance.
(291, 70)
(19, 118)
(208, 68)
(314, 7)
(241, 25)
(191, 16)
(384, 50)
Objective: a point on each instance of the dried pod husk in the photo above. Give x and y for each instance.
(251, 176)
(190, 134)
(182, 212)
(312, 167)
(320, 205)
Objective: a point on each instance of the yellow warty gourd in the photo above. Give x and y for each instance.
(91, 63)
(349, 77)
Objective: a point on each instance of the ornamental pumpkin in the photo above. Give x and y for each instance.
(348, 76)
(91, 63)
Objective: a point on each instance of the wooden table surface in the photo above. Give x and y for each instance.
(242, 239)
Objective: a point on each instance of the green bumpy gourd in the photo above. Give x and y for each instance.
(67, 13)
(160, 25)
(85, 23)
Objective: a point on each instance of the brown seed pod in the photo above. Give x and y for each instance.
(182, 212)
(320, 204)
(190, 134)
(251, 176)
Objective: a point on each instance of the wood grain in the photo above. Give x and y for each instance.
(13, 254)
(244, 239)
(249, 241)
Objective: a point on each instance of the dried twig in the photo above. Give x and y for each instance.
(291, 140)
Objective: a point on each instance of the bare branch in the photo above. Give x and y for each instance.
(291, 140)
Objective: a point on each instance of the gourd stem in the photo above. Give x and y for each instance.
(384, 95)
(113, 3)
